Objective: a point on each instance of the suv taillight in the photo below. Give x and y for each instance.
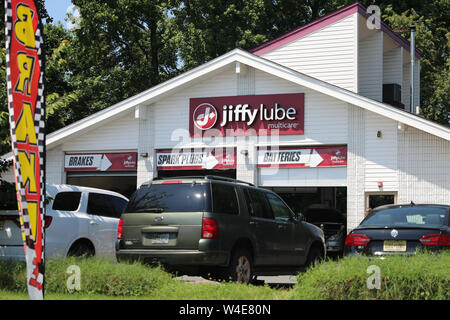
(119, 230)
(442, 240)
(210, 229)
(47, 221)
(356, 239)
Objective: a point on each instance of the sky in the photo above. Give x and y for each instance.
(57, 9)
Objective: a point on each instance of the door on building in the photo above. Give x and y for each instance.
(121, 182)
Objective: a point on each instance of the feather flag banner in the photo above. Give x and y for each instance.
(25, 77)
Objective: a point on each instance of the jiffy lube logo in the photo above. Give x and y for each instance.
(205, 116)
(247, 115)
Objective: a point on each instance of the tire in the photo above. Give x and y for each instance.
(315, 256)
(240, 269)
(81, 250)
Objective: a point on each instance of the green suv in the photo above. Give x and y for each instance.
(216, 227)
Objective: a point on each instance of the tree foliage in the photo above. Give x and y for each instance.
(432, 39)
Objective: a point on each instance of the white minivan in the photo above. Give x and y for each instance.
(79, 221)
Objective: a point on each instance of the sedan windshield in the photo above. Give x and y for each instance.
(408, 216)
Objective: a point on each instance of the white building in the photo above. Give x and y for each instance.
(339, 144)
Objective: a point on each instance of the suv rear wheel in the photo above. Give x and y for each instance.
(241, 266)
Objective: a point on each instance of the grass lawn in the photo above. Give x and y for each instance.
(421, 277)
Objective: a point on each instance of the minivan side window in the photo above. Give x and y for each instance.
(279, 209)
(257, 204)
(224, 199)
(67, 201)
(105, 205)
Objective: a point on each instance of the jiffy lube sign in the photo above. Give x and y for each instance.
(270, 114)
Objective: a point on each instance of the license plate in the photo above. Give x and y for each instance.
(160, 238)
(394, 245)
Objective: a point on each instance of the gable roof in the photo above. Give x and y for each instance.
(326, 21)
(238, 55)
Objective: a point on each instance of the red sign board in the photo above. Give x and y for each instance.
(248, 115)
(25, 79)
(196, 160)
(310, 157)
(118, 161)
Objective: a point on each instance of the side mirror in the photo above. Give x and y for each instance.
(300, 217)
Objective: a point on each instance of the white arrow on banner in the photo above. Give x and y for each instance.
(315, 159)
(210, 162)
(105, 163)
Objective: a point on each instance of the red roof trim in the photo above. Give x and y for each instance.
(323, 22)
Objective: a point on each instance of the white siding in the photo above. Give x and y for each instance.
(423, 163)
(172, 113)
(8, 175)
(119, 134)
(380, 153)
(355, 166)
(392, 66)
(146, 167)
(370, 66)
(406, 85)
(54, 166)
(325, 117)
(326, 54)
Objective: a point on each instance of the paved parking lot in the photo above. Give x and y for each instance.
(282, 281)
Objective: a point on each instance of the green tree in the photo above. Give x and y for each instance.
(123, 47)
(432, 39)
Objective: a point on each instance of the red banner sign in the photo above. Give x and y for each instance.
(201, 160)
(303, 157)
(271, 114)
(118, 161)
(27, 120)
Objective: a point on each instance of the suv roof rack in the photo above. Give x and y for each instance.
(212, 177)
(207, 177)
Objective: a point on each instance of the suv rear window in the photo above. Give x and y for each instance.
(186, 197)
(224, 199)
(105, 205)
(67, 201)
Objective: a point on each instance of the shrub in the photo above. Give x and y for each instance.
(425, 276)
(97, 277)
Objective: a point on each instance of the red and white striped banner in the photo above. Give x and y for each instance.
(25, 77)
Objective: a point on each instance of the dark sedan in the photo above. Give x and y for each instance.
(401, 229)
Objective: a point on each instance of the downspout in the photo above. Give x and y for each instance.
(413, 50)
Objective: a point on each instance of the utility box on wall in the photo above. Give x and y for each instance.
(392, 94)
